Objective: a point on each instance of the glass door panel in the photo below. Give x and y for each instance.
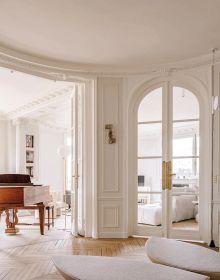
(186, 138)
(150, 174)
(150, 108)
(170, 136)
(186, 169)
(185, 104)
(185, 160)
(150, 140)
(149, 189)
(150, 192)
(81, 229)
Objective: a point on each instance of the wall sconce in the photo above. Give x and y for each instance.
(214, 103)
(109, 134)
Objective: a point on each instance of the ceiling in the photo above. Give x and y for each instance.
(110, 33)
(18, 89)
(56, 115)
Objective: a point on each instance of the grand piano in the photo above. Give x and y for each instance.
(17, 192)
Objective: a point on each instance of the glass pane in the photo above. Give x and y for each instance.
(198, 145)
(185, 194)
(186, 170)
(185, 104)
(149, 209)
(150, 140)
(186, 139)
(150, 174)
(150, 108)
(185, 210)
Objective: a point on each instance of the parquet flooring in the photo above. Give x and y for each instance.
(33, 262)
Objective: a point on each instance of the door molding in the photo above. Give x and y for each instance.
(201, 92)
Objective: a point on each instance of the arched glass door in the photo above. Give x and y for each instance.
(168, 163)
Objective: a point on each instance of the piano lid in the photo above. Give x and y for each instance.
(15, 179)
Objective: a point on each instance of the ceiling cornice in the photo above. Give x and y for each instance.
(39, 103)
(65, 71)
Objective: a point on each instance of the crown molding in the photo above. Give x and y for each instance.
(40, 103)
(76, 72)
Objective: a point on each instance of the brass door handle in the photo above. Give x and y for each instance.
(167, 175)
(164, 181)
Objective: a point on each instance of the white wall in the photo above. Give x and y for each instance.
(113, 192)
(51, 166)
(3, 146)
(11, 147)
(116, 191)
(111, 209)
(48, 166)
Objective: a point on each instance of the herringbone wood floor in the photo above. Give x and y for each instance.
(33, 262)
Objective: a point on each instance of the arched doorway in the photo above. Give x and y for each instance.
(169, 166)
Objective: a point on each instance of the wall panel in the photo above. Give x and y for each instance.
(110, 199)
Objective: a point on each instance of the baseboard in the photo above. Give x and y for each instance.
(113, 235)
(95, 235)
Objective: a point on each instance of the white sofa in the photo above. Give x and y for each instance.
(184, 256)
(183, 207)
(109, 268)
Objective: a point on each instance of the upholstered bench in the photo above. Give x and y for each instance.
(184, 256)
(113, 268)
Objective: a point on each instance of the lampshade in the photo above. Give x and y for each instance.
(63, 151)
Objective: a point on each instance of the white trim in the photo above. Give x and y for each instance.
(113, 234)
(151, 122)
(94, 165)
(56, 70)
(187, 120)
(89, 162)
(153, 157)
(184, 157)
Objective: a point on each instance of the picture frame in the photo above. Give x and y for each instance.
(30, 171)
(29, 141)
(29, 156)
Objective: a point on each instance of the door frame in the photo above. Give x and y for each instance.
(89, 160)
(202, 94)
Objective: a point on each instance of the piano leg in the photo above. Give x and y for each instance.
(11, 221)
(42, 217)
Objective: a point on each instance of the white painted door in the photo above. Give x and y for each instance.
(168, 142)
(77, 186)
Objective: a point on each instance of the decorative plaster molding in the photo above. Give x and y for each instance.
(18, 121)
(113, 211)
(60, 70)
(40, 103)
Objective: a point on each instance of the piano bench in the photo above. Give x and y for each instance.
(50, 213)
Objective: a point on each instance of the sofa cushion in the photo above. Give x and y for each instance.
(184, 255)
(109, 268)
